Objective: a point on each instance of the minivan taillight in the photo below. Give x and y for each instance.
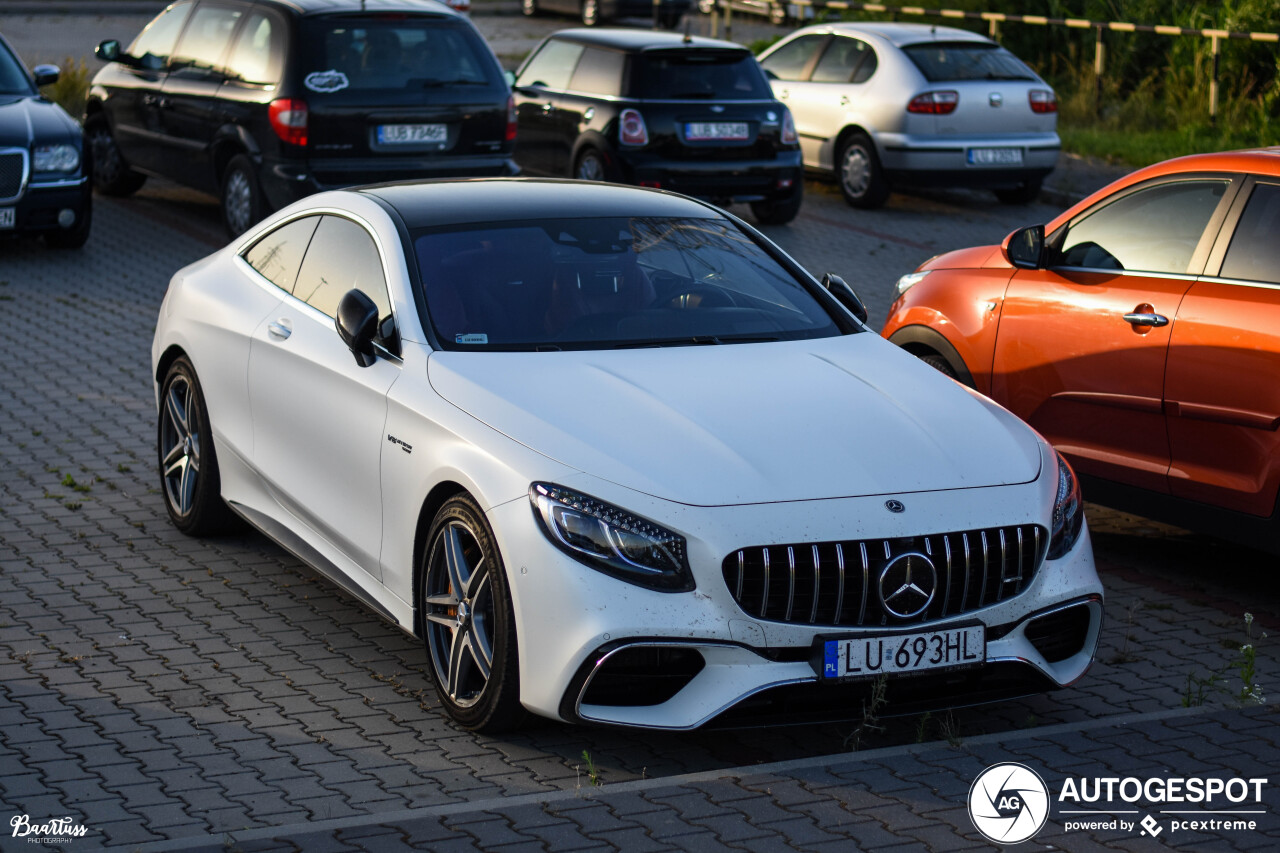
(1043, 101)
(633, 130)
(288, 118)
(511, 118)
(788, 128)
(934, 103)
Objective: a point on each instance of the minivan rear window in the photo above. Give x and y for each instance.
(941, 62)
(395, 52)
(720, 75)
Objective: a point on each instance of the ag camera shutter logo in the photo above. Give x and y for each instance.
(1008, 803)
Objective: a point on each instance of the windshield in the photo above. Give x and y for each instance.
(393, 52)
(13, 80)
(942, 62)
(610, 283)
(684, 74)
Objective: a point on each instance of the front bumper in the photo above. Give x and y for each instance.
(914, 159)
(286, 181)
(572, 620)
(36, 211)
(720, 181)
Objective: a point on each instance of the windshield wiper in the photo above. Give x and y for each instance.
(697, 341)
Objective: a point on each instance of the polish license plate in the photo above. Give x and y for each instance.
(411, 134)
(6, 217)
(703, 130)
(995, 156)
(897, 653)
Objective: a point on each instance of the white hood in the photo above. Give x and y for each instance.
(746, 423)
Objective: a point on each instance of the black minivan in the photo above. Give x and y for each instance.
(266, 102)
(691, 115)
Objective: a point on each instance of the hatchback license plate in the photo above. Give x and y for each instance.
(6, 217)
(995, 156)
(702, 130)
(870, 656)
(411, 134)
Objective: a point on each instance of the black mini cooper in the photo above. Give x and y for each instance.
(691, 115)
(266, 101)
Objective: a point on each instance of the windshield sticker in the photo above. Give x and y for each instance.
(326, 81)
(471, 339)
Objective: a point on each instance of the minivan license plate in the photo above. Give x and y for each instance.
(6, 217)
(995, 156)
(703, 130)
(915, 652)
(411, 134)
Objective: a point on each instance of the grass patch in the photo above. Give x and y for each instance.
(1138, 148)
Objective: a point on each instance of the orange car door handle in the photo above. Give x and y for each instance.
(1155, 320)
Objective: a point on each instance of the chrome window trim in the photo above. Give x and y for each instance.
(1241, 282)
(26, 172)
(1180, 276)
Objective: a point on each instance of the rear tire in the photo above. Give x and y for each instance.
(111, 174)
(1024, 193)
(591, 166)
(189, 477)
(862, 181)
(241, 196)
(781, 211)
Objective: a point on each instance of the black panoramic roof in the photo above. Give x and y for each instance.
(458, 202)
(640, 40)
(374, 7)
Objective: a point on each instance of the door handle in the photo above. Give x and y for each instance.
(280, 329)
(1143, 319)
(784, 94)
(844, 100)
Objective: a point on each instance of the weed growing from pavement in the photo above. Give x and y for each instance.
(922, 726)
(1123, 655)
(871, 707)
(1245, 665)
(593, 772)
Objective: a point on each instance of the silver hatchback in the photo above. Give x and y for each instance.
(881, 105)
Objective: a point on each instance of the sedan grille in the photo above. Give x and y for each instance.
(13, 168)
(838, 584)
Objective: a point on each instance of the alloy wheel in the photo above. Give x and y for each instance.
(237, 200)
(855, 172)
(590, 168)
(107, 164)
(459, 607)
(180, 446)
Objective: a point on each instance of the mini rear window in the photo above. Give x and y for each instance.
(719, 75)
(942, 62)
(403, 52)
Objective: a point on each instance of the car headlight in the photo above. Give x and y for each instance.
(56, 158)
(612, 540)
(1068, 511)
(910, 280)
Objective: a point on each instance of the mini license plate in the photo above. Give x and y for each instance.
(702, 130)
(411, 134)
(995, 156)
(916, 652)
(6, 217)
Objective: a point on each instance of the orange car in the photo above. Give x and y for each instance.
(1139, 332)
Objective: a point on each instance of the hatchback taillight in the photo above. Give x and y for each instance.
(511, 118)
(1043, 101)
(934, 103)
(788, 128)
(633, 131)
(288, 118)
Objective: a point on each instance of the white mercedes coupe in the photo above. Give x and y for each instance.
(615, 458)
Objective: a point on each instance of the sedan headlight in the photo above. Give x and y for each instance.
(910, 280)
(56, 158)
(612, 540)
(1068, 511)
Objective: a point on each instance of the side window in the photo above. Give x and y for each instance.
(1152, 230)
(278, 255)
(255, 57)
(342, 256)
(551, 67)
(866, 67)
(841, 59)
(790, 61)
(1254, 254)
(206, 37)
(161, 35)
(599, 72)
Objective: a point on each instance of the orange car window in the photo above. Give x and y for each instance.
(1254, 254)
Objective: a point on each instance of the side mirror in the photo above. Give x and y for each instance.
(108, 51)
(46, 75)
(1024, 248)
(357, 323)
(845, 295)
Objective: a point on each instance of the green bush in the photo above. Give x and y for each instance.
(71, 88)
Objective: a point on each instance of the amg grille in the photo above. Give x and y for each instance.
(12, 166)
(838, 583)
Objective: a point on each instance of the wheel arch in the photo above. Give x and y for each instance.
(227, 143)
(922, 340)
(843, 136)
(592, 139)
(166, 360)
(431, 504)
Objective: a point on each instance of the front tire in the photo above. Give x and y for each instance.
(939, 364)
(862, 181)
(591, 166)
(241, 196)
(781, 211)
(468, 621)
(189, 477)
(111, 175)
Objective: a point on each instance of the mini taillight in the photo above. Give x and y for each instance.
(511, 118)
(934, 103)
(633, 130)
(788, 128)
(1043, 101)
(288, 118)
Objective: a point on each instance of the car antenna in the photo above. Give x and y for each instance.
(688, 39)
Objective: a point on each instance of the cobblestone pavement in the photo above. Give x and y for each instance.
(157, 688)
